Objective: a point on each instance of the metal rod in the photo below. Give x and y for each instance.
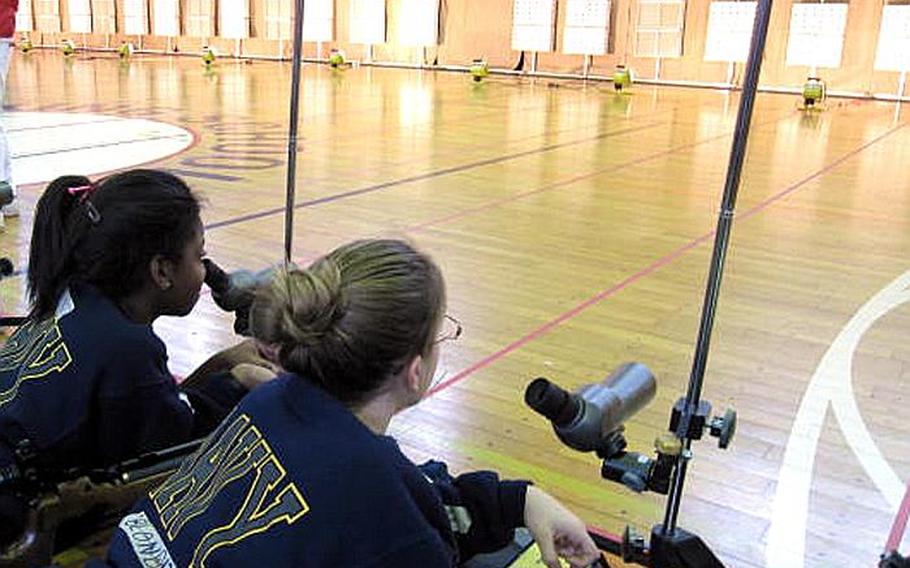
(721, 240)
(292, 131)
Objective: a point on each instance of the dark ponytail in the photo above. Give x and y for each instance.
(106, 234)
(49, 247)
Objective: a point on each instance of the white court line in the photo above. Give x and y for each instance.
(831, 383)
(45, 145)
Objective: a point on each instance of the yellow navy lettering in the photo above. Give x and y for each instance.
(235, 453)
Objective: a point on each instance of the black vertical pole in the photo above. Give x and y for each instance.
(292, 132)
(721, 240)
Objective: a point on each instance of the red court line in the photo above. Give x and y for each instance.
(419, 227)
(900, 524)
(464, 373)
(597, 298)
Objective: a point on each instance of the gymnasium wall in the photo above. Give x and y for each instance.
(482, 28)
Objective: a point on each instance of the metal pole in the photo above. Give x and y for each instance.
(292, 131)
(721, 240)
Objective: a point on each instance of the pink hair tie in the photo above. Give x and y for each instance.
(83, 190)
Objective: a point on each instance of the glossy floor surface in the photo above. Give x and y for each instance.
(574, 227)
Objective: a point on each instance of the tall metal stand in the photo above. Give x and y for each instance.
(721, 240)
(291, 187)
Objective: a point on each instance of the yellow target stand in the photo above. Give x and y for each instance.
(337, 59)
(814, 95)
(622, 79)
(479, 70)
(68, 47)
(208, 56)
(125, 51)
(25, 44)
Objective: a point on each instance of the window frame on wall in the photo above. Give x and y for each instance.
(660, 32)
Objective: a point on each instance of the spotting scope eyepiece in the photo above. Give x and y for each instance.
(589, 419)
(552, 401)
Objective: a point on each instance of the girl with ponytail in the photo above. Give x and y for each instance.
(84, 383)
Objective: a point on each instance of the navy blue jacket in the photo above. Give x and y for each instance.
(293, 478)
(88, 387)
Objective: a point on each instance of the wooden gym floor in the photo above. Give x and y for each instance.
(574, 227)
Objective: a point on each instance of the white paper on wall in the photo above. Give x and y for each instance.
(533, 23)
(47, 16)
(893, 52)
(419, 25)
(200, 18)
(278, 19)
(816, 34)
(587, 27)
(729, 31)
(367, 21)
(80, 16)
(104, 17)
(167, 18)
(135, 17)
(24, 20)
(234, 19)
(659, 28)
(318, 20)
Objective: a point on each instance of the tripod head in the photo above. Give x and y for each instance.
(591, 420)
(235, 291)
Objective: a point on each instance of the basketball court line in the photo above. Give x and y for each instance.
(62, 124)
(103, 145)
(659, 263)
(420, 227)
(830, 386)
(848, 411)
(900, 523)
(429, 175)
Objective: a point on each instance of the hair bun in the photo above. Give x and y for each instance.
(311, 302)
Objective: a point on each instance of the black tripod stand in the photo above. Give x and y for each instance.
(670, 546)
(590, 420)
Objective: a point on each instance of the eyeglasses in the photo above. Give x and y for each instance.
(451, 330)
